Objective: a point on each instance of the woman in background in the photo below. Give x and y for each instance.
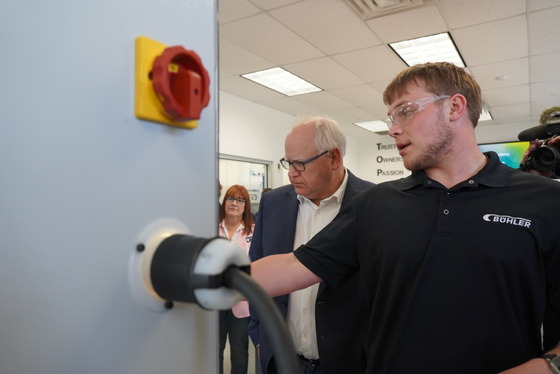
(236, 224)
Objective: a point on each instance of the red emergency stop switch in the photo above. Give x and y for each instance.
(181, 83)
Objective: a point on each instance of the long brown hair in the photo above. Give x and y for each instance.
(239, 192)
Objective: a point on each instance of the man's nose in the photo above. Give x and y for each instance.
(292, 172)
(394, 129)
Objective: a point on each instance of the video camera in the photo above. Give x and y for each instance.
(544, 157)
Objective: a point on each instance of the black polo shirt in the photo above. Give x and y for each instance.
(458, 280)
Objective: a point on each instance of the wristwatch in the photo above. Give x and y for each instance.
(554, 362)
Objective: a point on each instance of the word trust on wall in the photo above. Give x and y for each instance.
(394, 163)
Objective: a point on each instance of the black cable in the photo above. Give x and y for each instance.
(273, 324)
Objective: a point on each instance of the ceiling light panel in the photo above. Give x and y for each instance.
(485, 115)
(373, 126)
(434, 48)
(282, 81)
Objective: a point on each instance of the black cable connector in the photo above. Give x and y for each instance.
(224, 267)
(172, 270)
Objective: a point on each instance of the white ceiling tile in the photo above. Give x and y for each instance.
(461, 13)
(544, 91)
(534, 5)
(507, 95)
(545, 67)
(410, 24)
(372, 64)
(537, 107)
(328, 24)
(493, 41)
(511, 113)
(358, 133)
(347, 117)
(273, 41)
(251, 91)
(351, 115)
(287, 105)
(381, 85)
(224, 73)
(272, 4)
(362, 95)
(324, 73)
(544, 27)
(516, 73)
(239, 60)
(323, 101)
(379, 111)
(232, 10)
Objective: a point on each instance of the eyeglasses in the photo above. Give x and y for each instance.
(300, 165)
(232, 199)
(404, 113)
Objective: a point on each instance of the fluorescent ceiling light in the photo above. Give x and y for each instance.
(282, 81)
(434, 48)
(485, 115)
(373, 126)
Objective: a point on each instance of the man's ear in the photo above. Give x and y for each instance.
(458, 107)
(336, 158)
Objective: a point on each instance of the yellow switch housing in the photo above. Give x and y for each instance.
(147, 105)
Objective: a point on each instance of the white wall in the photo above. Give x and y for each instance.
(501, 133)
(253, 131)
(379, 160)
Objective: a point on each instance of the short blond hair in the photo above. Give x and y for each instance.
(440, 78)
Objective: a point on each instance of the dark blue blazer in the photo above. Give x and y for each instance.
(341, 316)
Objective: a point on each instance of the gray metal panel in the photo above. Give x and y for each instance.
(81, 178)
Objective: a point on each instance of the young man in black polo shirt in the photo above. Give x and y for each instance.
(463, 265)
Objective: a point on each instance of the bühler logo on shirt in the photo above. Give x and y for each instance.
(508, 220)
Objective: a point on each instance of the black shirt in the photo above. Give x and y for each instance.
(458, 280)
